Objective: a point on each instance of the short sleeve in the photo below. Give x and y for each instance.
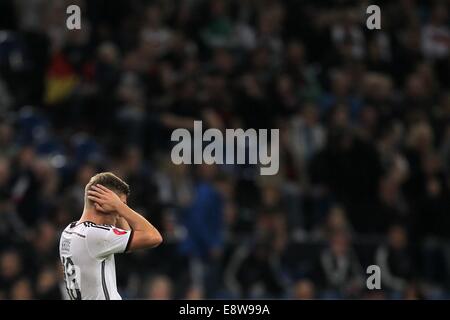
(104, 241)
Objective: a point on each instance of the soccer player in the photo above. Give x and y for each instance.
(107, 226)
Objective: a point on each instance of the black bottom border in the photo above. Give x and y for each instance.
(229, 309)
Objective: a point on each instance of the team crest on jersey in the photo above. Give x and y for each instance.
(119, 232)
(65, 245)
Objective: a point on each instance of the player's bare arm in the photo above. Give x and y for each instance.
(122, 223)
(145, 235)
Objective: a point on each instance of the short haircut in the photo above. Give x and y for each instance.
(110, 181)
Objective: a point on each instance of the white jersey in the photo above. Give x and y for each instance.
(87, 253)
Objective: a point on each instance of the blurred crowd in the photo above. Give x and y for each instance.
(364, 144)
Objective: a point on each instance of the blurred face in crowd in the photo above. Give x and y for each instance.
(10, 265)
(216, 85)
(341, 84)
(108, 53)
(389, 189)
(194, 293)
(421, 137)
(4, 171)
(377, 87)
(284, 85)
(397, 237)
(188, 91)
(261, 58)
(336, 219)
(251, 86)
(26, 157)
(310, 114)
(6, 134)
(47, 279)
(207, 172)
(153, 16)
(340, 244)
(45, 237)
(224, 61)
(159, 288)
(296, 53)
(218, 8)
(22, 290)
(369, 117)
(439, 15)
(133, 159)
(445, 103)
(270, 19)
(377, 295)
(426, 72)
(412, 39)
(340, 117)
(270, 195)
(416, 87)
(432, 164)
(412, 292)
(304, 290)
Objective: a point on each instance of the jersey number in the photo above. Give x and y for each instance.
(71, 277)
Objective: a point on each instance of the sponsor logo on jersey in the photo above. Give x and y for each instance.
(119, 232)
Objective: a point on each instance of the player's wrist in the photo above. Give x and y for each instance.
(120, 208)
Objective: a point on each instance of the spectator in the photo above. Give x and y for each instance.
(304, 290)
(396, 261)
(342, 273)
(21, 290)
(254, 272)
(158, 288)
(203, 220)
(47, 287)
(11, 269)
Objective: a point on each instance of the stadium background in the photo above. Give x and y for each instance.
(365, 144)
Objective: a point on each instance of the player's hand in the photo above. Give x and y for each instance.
(104, 199)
